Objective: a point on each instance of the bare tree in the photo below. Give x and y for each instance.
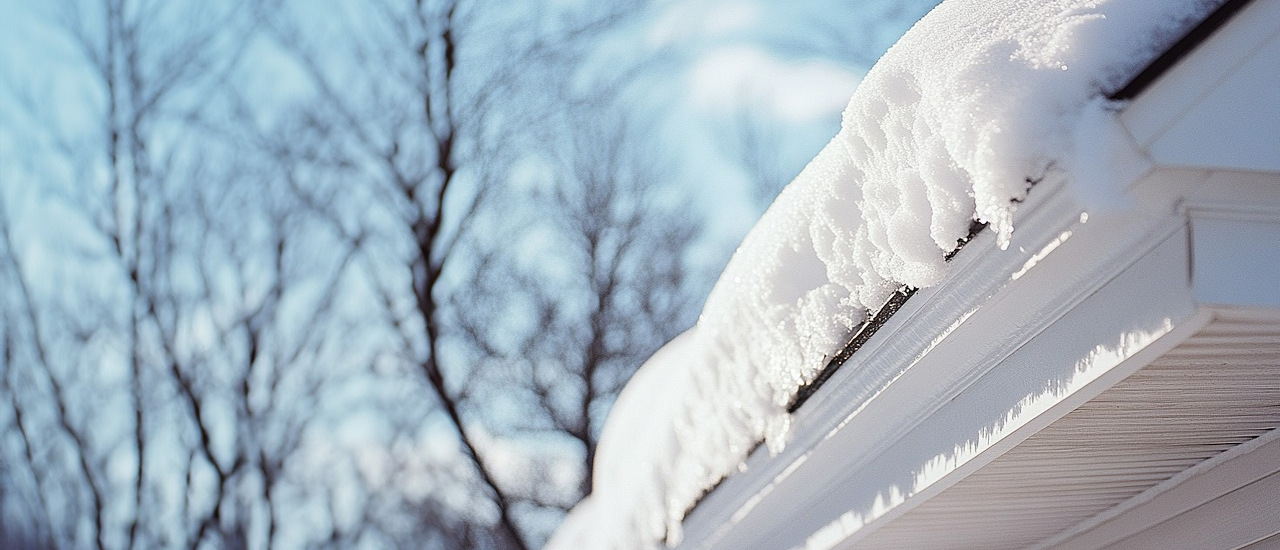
(175, 308)
(217, 272)
(226, 276)
(118, 175)
(574, 295)
(429, 128)
(407, 136)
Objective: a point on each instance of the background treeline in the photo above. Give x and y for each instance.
(357, 273)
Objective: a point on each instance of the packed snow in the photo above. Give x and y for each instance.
(978, 100)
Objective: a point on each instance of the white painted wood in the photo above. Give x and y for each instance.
(1181, 88)
(1231, 194)
(1236, 261)
(1233, 125)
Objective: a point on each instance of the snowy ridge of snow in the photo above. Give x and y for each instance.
(977, 100)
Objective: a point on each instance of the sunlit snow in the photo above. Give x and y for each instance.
(977, 101)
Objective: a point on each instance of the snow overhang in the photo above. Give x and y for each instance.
(972, 373)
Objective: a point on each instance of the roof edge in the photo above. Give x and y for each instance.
(1179, 50)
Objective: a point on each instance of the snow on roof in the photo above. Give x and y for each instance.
(977, 100)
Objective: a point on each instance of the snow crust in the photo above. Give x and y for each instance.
(975, 102)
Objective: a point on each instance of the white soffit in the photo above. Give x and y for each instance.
(1213, 392)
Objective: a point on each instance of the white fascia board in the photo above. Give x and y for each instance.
(1236, 261)
(1186, 85)
(1233, 125)
(1235, 239)
(968, 367)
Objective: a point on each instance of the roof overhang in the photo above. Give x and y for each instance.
(991, 391)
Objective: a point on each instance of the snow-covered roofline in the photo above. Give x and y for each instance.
(1135, 86)
(976, 101)
(868, 328)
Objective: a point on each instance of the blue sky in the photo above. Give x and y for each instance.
(784, 68)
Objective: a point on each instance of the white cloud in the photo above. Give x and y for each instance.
(689, 21)
(750, 77)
